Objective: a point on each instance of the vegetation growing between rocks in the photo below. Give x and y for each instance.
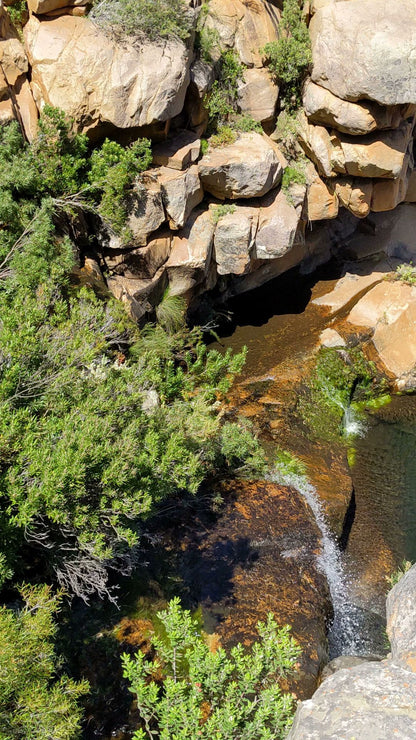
(145, 19)
(209, 693)
(339, 380)
(290, 56)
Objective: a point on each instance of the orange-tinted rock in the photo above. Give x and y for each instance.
(260, 557)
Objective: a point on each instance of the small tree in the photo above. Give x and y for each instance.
(35, 704)
(208, 694)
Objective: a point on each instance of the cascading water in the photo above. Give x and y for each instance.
(345, 632)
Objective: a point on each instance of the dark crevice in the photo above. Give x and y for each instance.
(348, 522)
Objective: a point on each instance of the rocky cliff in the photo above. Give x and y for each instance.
(356, 129)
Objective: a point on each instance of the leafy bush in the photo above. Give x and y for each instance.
(291, 175)
(35, 702)
(150, 19)
(209, 694)
(225, 135)
(290, 56)
(406, 273)
(222, 210)
(84, 457)
(221, 101)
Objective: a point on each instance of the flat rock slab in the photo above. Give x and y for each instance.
(373, 701)
(366, 49)
(350, 287)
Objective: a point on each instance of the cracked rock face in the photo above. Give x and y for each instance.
(77, 68)
(366, 49)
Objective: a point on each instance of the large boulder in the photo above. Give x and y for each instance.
(181, 192)
(257, 95)
(234, 240)
(243, 26)
(96, 81)
(324, 108)
(373, 700)
(278, 226)
(366, 49)
(248, 168)
(190, 258)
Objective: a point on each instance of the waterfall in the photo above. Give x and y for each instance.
(345, 631)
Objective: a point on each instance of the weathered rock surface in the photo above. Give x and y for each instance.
(41, 7)
(181, 193)
(142, 263)
(248, 168)
(234, 240)
(374, 701)
(278, 226)
(401, 620)
(351, 287)
(244, 26)
(258, 95)
(326, 109)
(109, 83)
(365, 49)
(190, 258)
(355, 194)
(323, 202)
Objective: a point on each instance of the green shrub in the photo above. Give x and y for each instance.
(226, 135)
(150, 19)
(290, 56)
(294, 174)
(221, 101)
(406, 273)
(218, 212)
(246, 123)
(35, 702)
(208, 694)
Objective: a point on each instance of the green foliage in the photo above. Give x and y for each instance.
(226, 135)
(35, 702)
(395, 577)
(209, 694)
(221, 101)
(113, 169)
(170, 312)
(221, 210)
(291, 175)
(337, 381)
(287, 465)
(245, 123)
(290, 56)
(98, 423)
(149, 19)
(406, 273)
(18, 13)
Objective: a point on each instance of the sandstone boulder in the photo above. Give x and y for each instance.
(41, 7)
(322, 200)
(372, 700)
(181, 192)
(179, 152)
(243, 26)
(144, 262)
(258, 95)
(355, 194)
(109, 83)
(351, 287)
(248, 168)
(278, 226)
(322, 147)
(365, 49)
(234, 240)
(140, 295)
(324, 108)
(401, 620)
(191, 253)
(378, 155)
